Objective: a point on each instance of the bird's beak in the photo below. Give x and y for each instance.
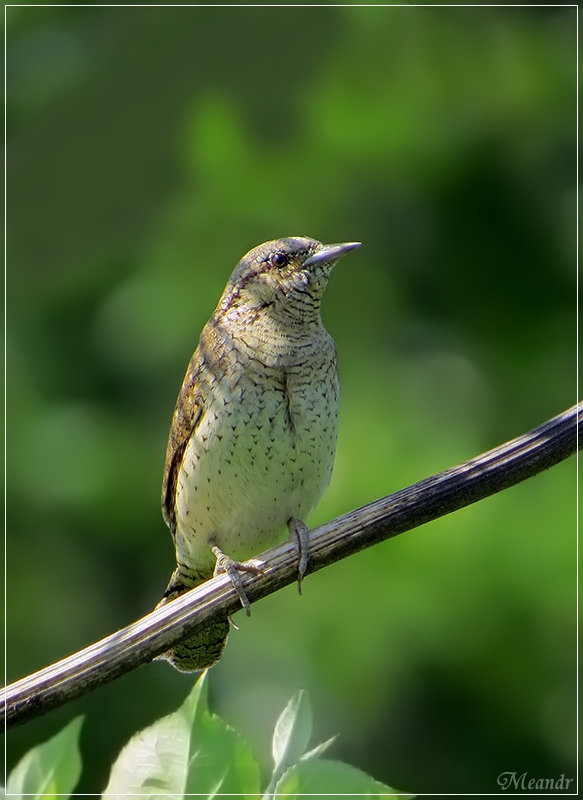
(328, 253)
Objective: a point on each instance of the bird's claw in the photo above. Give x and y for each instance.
(233, 568)
(299, 533)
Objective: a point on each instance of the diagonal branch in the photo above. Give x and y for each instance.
(510, 463)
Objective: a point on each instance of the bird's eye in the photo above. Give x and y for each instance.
(279, 259)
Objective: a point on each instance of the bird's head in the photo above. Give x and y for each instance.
(288, 276)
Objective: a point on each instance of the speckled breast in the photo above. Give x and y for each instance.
(263, 452)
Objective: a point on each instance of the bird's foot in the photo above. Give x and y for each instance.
(233, 568)
(298, 531)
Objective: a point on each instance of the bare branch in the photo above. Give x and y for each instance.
(408, 508)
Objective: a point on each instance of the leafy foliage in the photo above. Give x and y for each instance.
(52, 768)
(188, 752)
(193, 752)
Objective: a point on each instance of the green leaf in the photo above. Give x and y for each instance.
(292, 732)
(290, 737)
(319, 749)
(317, 777)
(53, 767)
(188, 752)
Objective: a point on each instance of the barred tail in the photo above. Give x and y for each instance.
(204, 648)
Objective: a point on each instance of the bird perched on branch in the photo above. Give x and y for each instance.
(253, 436)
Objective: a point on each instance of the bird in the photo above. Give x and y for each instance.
(253, 435)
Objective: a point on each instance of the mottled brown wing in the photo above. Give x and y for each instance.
(187, 414)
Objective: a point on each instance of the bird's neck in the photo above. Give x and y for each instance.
(272, 332)
(283, 319)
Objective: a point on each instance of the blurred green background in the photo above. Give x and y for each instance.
(148, 149)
